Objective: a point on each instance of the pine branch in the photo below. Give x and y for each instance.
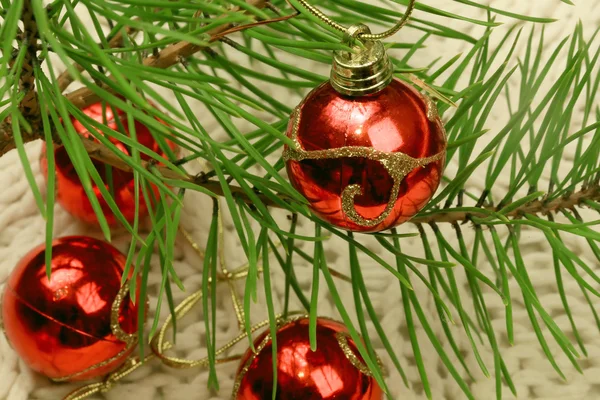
(554, 112)
(168, 57)
(29, 105)
(537, 207)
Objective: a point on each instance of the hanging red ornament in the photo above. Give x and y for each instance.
(70, 192)
(369, 150)
(334, 371)
(80, 323)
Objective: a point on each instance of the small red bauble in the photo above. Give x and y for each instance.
(366, 163)
(80, 323)
(70, 192)
(334, 371)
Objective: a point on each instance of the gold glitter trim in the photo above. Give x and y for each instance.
(432, 111)
(244, 370)
(129, 339)
(398, 165)
(342, 338)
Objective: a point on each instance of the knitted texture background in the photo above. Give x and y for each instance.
(22, 228)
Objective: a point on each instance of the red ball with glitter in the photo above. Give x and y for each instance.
(366, 163)
(334, 371)
(78, 324)
(70, 193)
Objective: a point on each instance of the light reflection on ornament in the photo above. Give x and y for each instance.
(328, 381)
(375, 180)
(325, 374)
(70, 193)
(61, 327)
(89, 298)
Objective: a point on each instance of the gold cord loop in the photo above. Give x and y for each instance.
(104, 386)
(159, 345)
(353, 33)
(364, 36)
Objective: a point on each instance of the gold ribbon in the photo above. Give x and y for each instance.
(158, 345)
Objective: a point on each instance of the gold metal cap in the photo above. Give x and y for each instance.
(365, 71)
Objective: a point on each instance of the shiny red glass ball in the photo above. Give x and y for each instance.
(395, 120)
(70, 193)
(325, 374)
(61, 327)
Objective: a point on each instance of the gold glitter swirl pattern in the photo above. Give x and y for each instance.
(398, 165)
(432, 110)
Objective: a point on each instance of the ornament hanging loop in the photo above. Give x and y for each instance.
(367, 69)
(353, 34)
(394, 29)
(364, 70)
(365, 36)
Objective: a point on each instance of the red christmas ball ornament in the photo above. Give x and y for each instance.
(334, 371)
(70, 193)
(78, 324)
(369, 150)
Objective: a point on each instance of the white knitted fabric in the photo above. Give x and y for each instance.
(23, 228)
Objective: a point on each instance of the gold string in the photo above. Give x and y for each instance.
(102, 387)
(188, 238)
(160, 346)
(363, 36)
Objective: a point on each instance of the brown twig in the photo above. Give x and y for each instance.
(101, 153)
(29, 106)
(65, 78)
(536, 207)
(6, 139)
